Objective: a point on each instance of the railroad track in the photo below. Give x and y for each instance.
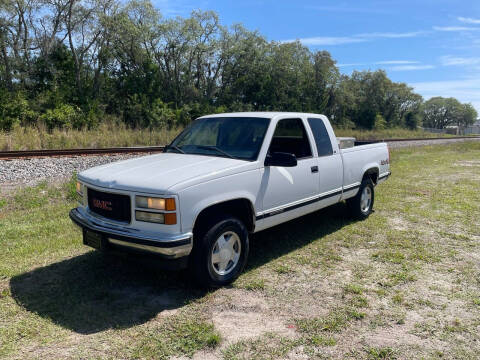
(152, 149)
(364, 142)
(78, 152)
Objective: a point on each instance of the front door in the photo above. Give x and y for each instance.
(287, 190)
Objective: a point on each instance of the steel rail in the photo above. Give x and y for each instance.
(372, 141)
(78, 152)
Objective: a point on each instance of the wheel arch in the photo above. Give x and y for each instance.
(372, 172)
(242, 208)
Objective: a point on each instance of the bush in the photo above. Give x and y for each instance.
(160, 115)
(14, 110)
(412, 120)
(64, 116)
(380, 122)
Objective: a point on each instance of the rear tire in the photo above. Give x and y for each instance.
(361, 205)
(220, 252)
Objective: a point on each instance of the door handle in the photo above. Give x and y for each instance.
(314, 169)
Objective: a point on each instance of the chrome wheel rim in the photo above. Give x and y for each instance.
(226, 253)
(366, 199)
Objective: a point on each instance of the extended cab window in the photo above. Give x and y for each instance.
(322, 139)
(290, 137)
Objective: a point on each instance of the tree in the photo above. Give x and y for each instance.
(82, 59)
(439, 112)
(468, 115)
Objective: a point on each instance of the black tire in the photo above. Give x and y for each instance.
(357, 209)
(207, 274)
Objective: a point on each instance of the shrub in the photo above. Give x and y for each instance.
(380, 122)
(160, 115)
(64, 116)
(412, 120)
(14, 110)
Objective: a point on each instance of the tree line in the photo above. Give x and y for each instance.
(75, 63)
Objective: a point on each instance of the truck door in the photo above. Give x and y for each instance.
(329, 162)
(287, 191)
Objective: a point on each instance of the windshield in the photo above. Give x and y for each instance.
(235, 137)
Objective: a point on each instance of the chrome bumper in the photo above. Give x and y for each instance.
(167, 245)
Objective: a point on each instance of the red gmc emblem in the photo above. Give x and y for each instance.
(102, 204)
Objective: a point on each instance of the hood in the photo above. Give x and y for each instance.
(157, 173)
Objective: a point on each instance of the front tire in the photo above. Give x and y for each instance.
(220, 252)
(361, 205)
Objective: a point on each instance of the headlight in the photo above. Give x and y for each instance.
(155, 203)
(159, 218)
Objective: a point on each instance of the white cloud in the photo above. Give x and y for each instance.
(358, 38)
(351, 64)
(411, 67)
(396, 62)
(390, 35)
(401, 65)
(349, 9)
(469, 20)
(326, 40)
(459, 61)
(455, 28)
(465, 90)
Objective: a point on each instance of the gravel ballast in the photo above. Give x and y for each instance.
(29, 172)
(32, 171)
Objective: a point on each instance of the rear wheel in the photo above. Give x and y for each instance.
(361, 205)
(220, 252)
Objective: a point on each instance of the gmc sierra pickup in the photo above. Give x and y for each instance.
(223, 178)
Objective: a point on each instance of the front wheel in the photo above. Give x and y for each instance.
(220, 253)
(361, 205)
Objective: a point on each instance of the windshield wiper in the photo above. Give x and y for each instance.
(211, 147)
(174, 148)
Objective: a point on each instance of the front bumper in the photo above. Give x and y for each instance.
(166, 245)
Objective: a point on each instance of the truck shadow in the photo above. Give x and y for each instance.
(92, 292)
(294, 234)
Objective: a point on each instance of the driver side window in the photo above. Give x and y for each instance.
(290, 137)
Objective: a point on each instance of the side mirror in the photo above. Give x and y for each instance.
(281, 159)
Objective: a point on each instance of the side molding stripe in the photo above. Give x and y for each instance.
(385, 175)
(305, 203)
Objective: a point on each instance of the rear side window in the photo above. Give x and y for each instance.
(290, 137)
(324, 145)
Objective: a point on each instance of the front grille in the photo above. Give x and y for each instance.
(112, 206)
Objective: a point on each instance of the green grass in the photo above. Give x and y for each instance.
(334, 321)
(181, 336)
(268, 346)
(380, 353)
(401, 284)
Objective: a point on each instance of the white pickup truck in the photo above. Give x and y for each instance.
(224, 177)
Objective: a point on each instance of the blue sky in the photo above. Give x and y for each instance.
(433, 45)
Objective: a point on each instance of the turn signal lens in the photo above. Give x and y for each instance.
(170, 219)
(170, 204)
(79, 188)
